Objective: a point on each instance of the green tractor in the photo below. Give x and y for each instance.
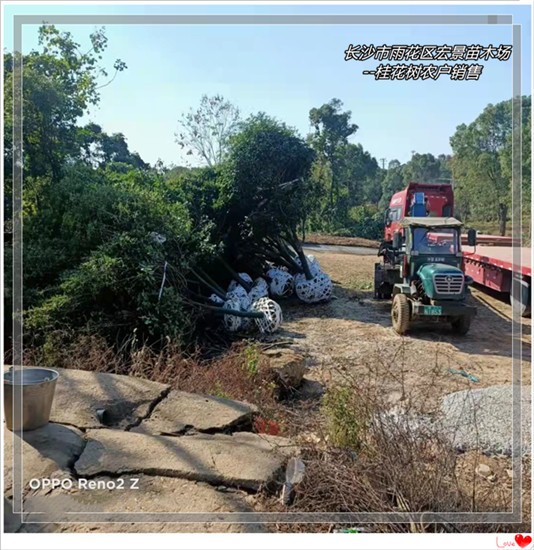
(431, 283)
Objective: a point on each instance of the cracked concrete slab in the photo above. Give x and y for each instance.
(126, 400)
(181, 410)
(155, 494)
(243, 460)
(46, 452)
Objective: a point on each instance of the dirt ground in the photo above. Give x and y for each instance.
(353, 333)
(352, 336)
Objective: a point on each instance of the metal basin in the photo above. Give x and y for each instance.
(36, 387)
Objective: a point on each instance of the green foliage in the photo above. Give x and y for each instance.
(265, 185)
(100, 149)
(347, 420)
(424, 168)
(251, 359)
(332, 128)
(94, 260)
(60, 83)
(366, 221)
(481, 163)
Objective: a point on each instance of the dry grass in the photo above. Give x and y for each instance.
(241, 373)
(317, 238)
(364, 451)
(368, 453)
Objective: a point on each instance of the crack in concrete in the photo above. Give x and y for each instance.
(242, 425)
(155, 402)
(74, 459)
(213, 480)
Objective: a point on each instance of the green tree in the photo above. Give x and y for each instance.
(526, 148)
(394, 180)
(481, 166)
(422, 168)
(445, 171)
(267, 185)
(60, 83)
(357, 179)
(109, 253)
(100, 149)
(332, 128)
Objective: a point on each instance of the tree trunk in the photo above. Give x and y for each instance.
(503, 212)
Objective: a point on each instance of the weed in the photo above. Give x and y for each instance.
(251, 359)
(345, 417)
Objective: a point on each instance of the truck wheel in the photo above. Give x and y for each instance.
(520, 298)
(461, 324)
(400, 313)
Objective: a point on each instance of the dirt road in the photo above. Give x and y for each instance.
(353, 334)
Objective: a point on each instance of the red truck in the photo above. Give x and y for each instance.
(492, 265)
(418, 199)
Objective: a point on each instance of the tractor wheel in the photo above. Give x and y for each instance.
(461, 324)
(400, 313)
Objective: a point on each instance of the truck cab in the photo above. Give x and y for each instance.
(418, 200)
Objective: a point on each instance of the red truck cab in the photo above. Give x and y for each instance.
(418, 199)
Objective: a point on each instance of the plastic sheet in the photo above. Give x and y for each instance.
(239, 293)
(217, 300)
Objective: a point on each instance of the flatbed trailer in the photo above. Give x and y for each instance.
(494, 267)
(495, 240)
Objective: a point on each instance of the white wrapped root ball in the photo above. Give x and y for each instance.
(313, 264)
(245, 276)
(317, 289)
(232, 323)
(259, 290)
(215, 299)
(281, 284)
(239, 293)
(272, 315)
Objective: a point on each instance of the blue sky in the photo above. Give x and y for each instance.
(287, 70)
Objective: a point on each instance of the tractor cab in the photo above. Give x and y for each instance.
(432, 282)
(431, 241)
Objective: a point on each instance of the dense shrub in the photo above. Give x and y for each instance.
(98, 252)
(366, 221)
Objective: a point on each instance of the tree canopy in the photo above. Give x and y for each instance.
(481, 163)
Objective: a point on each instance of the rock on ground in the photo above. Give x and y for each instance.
(181, 410)
(482, 419)
(79, 394)
(128, 509)
(288, 366)
(243, 460)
